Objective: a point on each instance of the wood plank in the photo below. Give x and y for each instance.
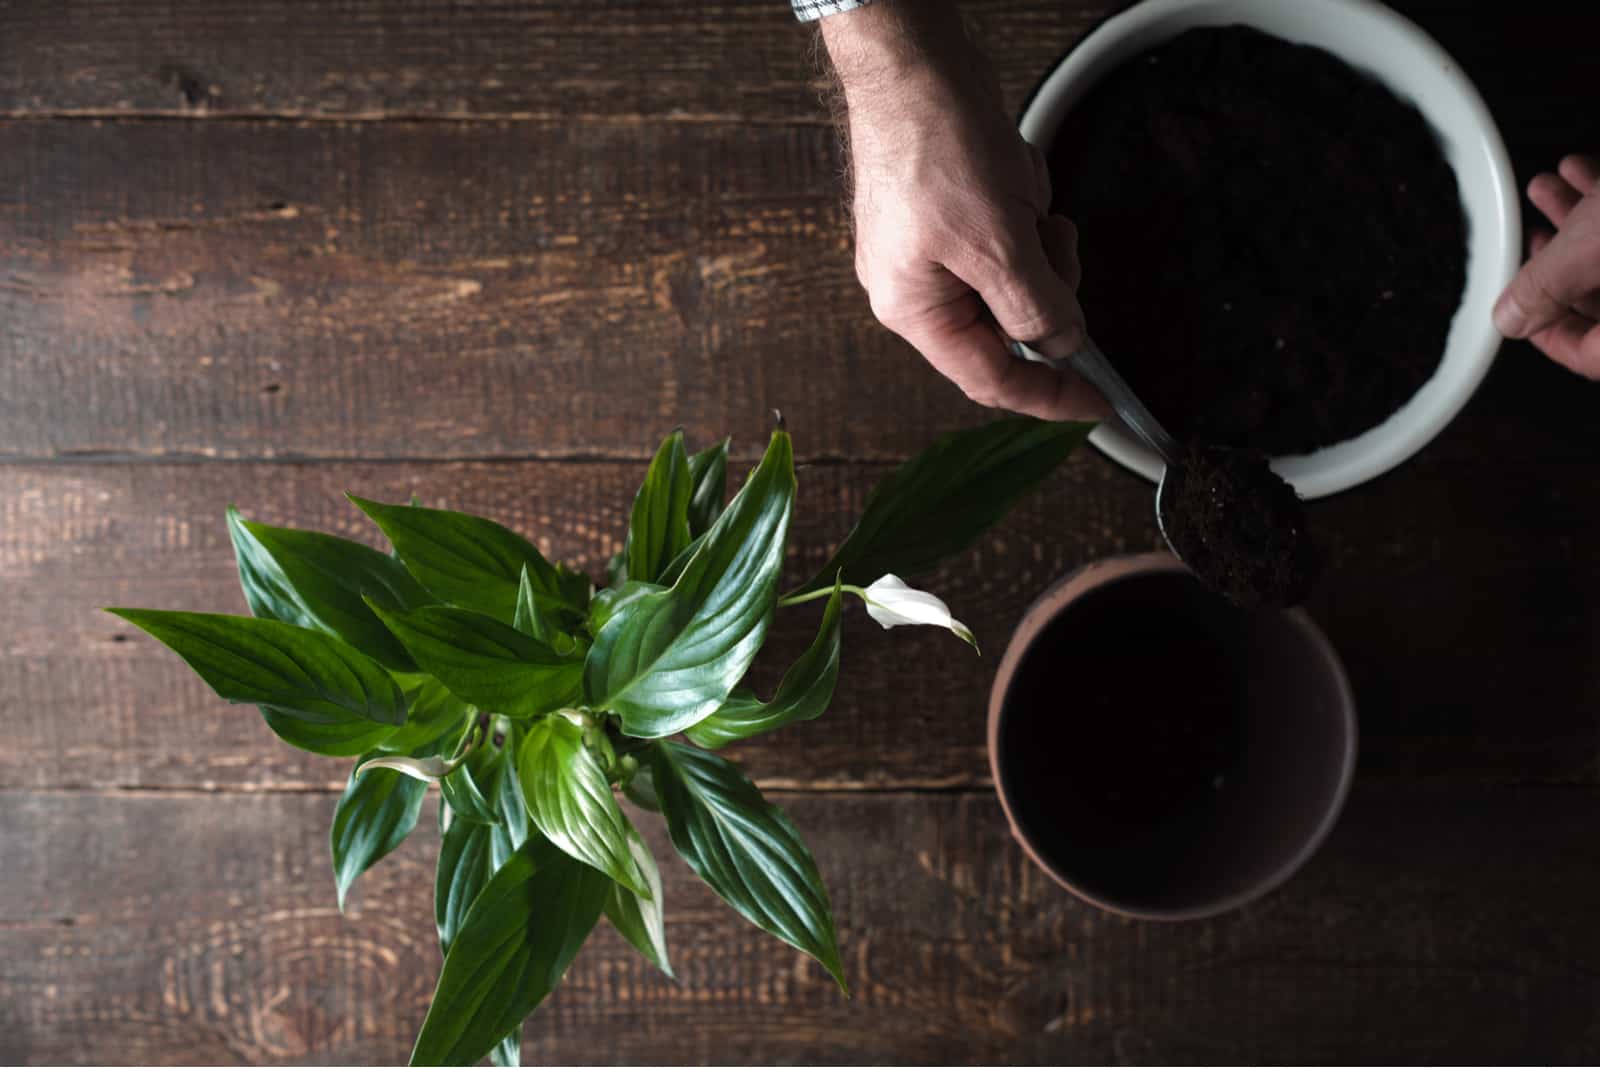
(1459, 593)
(1435, 926)
(617, 61)
(438, 290)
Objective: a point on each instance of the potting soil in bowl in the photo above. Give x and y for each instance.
(1273, 244)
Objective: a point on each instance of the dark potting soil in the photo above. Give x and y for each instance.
(1239, 527)
(1124, 729)
(1273, 245)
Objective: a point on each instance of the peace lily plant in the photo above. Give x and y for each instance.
(467, 659)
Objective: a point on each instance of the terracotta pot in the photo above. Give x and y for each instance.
(1291, 727)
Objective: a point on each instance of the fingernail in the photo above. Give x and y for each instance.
(1509, 318)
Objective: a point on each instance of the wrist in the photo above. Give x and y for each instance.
(889, 46)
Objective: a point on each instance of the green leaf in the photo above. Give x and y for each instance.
(569, 799)
(534, 618)
(660, 526)
(641, 790)
(804, 693)
(349, 738)
(509, 800)
(297, 673)
(639, 919)
(938, 503)
(665, 660)
(316, 580)
(708, 470)
(507, 1053)
(471, 788)
(512, 948)
(469, 561)
(745, 849)
(374, 815)
(609, 601)
(432, 713)
(485, 662)
(465, 867)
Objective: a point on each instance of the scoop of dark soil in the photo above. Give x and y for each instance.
(1239, 527)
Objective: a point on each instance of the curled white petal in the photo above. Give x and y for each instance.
(893, 604)
(428, 769)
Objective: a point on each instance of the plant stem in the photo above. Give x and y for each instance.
(802, 598)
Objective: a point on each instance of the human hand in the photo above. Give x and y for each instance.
(954, 243)
(1555, 299)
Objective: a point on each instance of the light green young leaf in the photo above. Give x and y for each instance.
(804, 693)
(660, 526)
(708, 470)
(640, 919)
(374, 815)
(469, 561)
(665, 660)
(317, 580)
(569, 799)
(485, 662)
(938, 503)
(297, 673)
(512, 948)
(745, 849)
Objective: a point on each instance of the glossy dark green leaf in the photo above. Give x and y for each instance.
(347, 738)
(509, 801)
(641, 789)
(317, 580)
(666, 660)
(938, 502)
(640, 919)
(608, 601)
(487, 663)
(466, 560)
(569, 800)
(708, 471)
(465, 867)
(374, 815)
(471, 790)
(431, 713)
(675, 568)
(744, 848)
(804, 693)
(535, 619)
(659, 528)
(298, 673)
(512, 948)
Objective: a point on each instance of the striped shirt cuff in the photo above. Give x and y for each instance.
(811, 10)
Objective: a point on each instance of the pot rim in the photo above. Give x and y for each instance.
(1050, 605)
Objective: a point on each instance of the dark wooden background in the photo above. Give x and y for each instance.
(262, 251)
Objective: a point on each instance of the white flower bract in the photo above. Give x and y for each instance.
(894, 604)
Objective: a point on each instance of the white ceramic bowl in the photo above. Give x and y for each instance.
(1374, 39)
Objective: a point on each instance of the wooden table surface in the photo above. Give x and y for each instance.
(262, 251)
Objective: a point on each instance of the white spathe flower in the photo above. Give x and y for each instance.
(894, 604)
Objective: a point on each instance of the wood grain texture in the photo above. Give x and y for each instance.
(1459, 594)
(435, 290)
(1448, 925)
(626, 62)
